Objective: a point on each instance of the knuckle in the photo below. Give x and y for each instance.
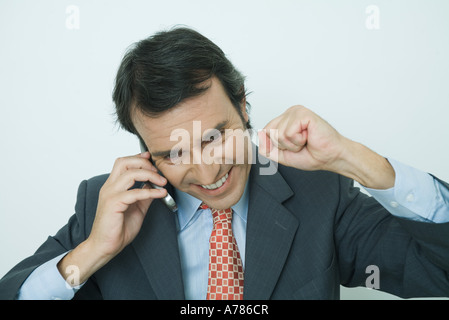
(283, 139)
(298, 107)
(119, 160)
(289, 134)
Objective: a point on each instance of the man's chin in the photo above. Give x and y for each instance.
(225, 204)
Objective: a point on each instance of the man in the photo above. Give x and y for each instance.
(297, 233)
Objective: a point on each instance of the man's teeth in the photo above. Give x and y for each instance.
(217, 184)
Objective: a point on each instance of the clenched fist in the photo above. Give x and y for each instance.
(301, 139)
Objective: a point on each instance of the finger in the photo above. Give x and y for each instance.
(275, 130)
(264, 142)
(273, 153)
(262, 137)
(296, 132)
(131, 176)
(132, 196)
(296, 140)
(291, 136)
(292, 142)
(282, 134)
(140, 161)
(278, 139)
(145, 155)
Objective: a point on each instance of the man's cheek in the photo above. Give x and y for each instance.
(172, 175)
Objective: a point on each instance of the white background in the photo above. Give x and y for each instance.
(387, 88)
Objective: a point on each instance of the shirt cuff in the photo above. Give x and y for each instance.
(46, 283)
(416, 195)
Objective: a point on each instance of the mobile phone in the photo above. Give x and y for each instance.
(168, 199)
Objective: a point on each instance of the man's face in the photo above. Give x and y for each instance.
(202, 169)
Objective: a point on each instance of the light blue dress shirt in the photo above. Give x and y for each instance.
(194, 230)
(416, 195)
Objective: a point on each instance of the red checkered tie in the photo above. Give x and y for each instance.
(225, 266)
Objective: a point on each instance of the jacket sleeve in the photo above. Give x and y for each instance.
(67, 238)
(412, 257)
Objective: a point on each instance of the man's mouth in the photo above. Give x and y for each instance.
(217, 184)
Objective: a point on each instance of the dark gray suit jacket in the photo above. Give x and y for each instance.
(307, 233)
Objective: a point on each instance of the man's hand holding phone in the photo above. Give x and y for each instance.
(120, 214)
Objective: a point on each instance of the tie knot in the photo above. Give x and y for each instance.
(219, 215)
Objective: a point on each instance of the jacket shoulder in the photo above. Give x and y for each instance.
(299, 179)
(96, 182)
(87, 198)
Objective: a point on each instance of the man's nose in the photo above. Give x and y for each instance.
(206, 173)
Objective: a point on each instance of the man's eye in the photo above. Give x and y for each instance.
(213, 136)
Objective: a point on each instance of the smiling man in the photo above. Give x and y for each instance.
(194, 176)
(297, 233)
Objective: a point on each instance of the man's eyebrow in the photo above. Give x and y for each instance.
(221, 125)
(166, 153)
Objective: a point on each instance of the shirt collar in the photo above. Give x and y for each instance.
(188, 206)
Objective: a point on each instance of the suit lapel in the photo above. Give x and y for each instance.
(270, 231)
(157, 249)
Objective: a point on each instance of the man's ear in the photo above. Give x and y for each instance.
(243, 110)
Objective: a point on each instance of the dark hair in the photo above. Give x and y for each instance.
(159, 72)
